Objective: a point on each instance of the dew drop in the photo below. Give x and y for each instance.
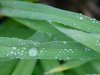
(24, 48)
(13, 47)
(33, 52)
(49, 21)
(93, 21)
(68, 58)
(81, 18)
(12, 52)
(64, 42)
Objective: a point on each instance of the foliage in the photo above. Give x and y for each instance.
(37, 39)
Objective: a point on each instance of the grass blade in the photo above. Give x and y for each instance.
(19, 48)
(24, 67)
(81, 37)
(68, 65)
(28, 10)
(6, 67)
(47, 64)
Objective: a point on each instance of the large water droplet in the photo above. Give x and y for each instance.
(33, 52)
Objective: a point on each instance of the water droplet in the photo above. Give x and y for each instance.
(87, 49)
(81, 18)
(68, 58)
(49, 21)
(93, 21)
(64, 42)
(12, 52)
(13, 47)
(98, 42)
(33, 52)
(24, 48)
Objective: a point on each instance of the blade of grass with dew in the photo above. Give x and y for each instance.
(37, 11)
(47, 64)
(10, 26)
(81, 37)
(25, 67)
(67, 64)
(44, 46)
(19, 48)
(73, 64)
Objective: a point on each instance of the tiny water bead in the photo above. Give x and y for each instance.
(33, 52)
(49, 21)
(98, 42)
(13, 47)
(64, 42)
(81, 18)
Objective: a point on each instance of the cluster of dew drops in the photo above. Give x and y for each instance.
(92, 19)
(22, 51)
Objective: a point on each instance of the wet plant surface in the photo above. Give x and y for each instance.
(38, 39)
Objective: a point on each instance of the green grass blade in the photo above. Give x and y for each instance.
(12, 29)
(24, 67)
(89, 69)
(96, 65)
(18, 48)
(47, 64)
(68, 65)
(45, 28)
(6, 67)
(84, 38)
(28, 10)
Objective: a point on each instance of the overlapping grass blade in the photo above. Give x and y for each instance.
(96, 65)
(45, 28)
(89, 69)
(11, 28)
(46, 64)
(79, 70)
(6, 67)
(68, 65)
(24, 67)
(27, 10)
(84, 38)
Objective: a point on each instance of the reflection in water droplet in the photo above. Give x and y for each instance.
(33, 52)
